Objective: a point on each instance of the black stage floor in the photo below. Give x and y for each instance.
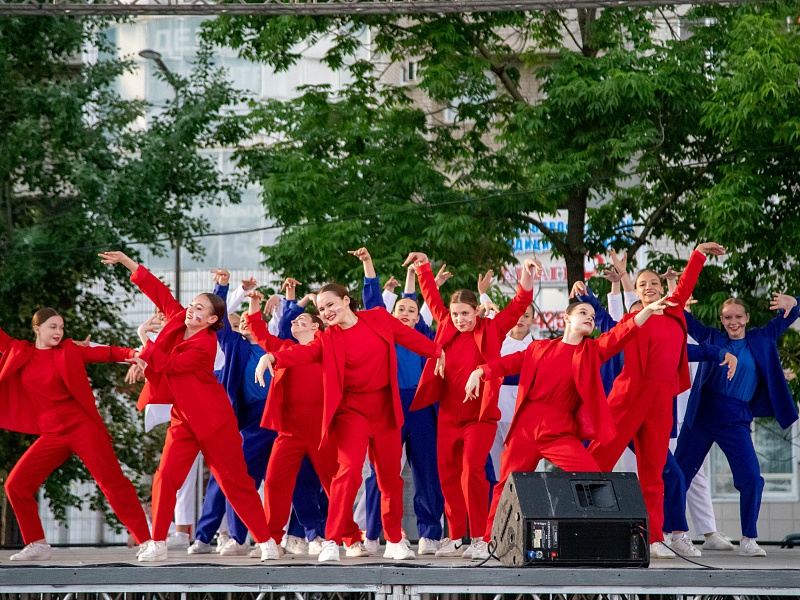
(114, 570)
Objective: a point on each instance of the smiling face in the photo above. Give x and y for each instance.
(50, 333)
(734, 319)
(580, 319)
(464, 316)
(332, 309)
(407, 311)
(200, 313)
(303, 324)
(648, 287)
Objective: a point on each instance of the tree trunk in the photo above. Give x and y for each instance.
(576, 224)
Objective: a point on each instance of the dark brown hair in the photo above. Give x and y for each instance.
(42, 315)
(464, 297)
(218, 305)
(340, 292)
(572, 306)
(402, 298)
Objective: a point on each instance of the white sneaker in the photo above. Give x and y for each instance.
(747, 547)
(428, 546)
(450, 548)
(315, 546)
(478, 550)
(682, 544)
(155, 552)
(178, 541)
(222, 539)
(660, 550)
(255, 551)
(329, 552)
(34, 551)
(198, 547)
(473, 543)
(269, 550)
(717, 541)
(357, 550)
(142, 547)
(295, 545)
(398, 551)
(372, 546)
(234, 548)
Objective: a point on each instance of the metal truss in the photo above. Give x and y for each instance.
(308, 7)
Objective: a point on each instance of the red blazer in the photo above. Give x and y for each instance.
(629, 381)
(593, 415)
(17, 412)
(329, 349)
(273, 410)
(181, 372)
(489, 335)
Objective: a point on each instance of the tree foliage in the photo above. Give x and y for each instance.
(640, 124)
(78, 176)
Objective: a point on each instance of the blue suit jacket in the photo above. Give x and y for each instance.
(772, 397)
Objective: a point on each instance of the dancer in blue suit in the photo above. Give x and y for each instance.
(722, 410)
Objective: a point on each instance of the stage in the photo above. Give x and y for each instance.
(110, 572)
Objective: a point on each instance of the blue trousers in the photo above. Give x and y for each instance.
(726, 421)
(419, 436)
(257, 445)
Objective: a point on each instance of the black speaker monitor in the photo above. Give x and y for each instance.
(572, 519)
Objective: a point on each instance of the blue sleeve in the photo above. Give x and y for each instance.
(411, 295)
(602, 320)
(290, 312)
(372, 296)
(778, 325)
(425, 329)
(226, 335)
(701, 333)
(705, 353)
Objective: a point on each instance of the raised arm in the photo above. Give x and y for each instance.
(508, 317)
(258, 327)
(105, 354)
(703, 334)
(427, 284)
(691, 273)
(5, 341)
(182, 359)
(788, 308)
(152, 287)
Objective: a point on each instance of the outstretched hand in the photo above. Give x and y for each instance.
(534, 267)
(439, 368)
(671, 274)
(485, 281)
(782, 302)
(249, 284)
(84, 343)
(578, 289)
(113, 257)
(442, 276)
(612, 275)
(620, 263)
(361, 254)
(473, 385)
(484, 308)
(390, 285)
(265, 363)
(221, 276)
(730, 361)
(710, 248)
(416, 258)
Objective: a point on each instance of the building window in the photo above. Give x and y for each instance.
(410, 72)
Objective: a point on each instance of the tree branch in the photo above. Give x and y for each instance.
(557, 242)
(569, 31)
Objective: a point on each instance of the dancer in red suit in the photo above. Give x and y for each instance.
(561, 400)
(179, 368)
(466, 431)
(294, 410)
(45, 391)
(656, 369)
(362, 411)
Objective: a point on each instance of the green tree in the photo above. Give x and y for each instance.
(605, 113)
(78, 176)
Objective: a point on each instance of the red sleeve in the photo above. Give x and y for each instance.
(510, 364)
(5, 341)
(299, 354)
(413, 340)
(430, 293)
(261, 333)
(508, 317)
(111, 354)
(182, 359)
(614, 340)
(689, 278)
(155, 289)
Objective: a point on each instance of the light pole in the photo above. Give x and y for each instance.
(176, 84)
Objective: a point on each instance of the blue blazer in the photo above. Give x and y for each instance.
(237, 353)
(772, 397)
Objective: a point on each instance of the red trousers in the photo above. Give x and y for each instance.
(540, 431)
(301, 439)
(462, 450)
(647, 420)
(355, 435)
(84, 437)
(223, 454)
